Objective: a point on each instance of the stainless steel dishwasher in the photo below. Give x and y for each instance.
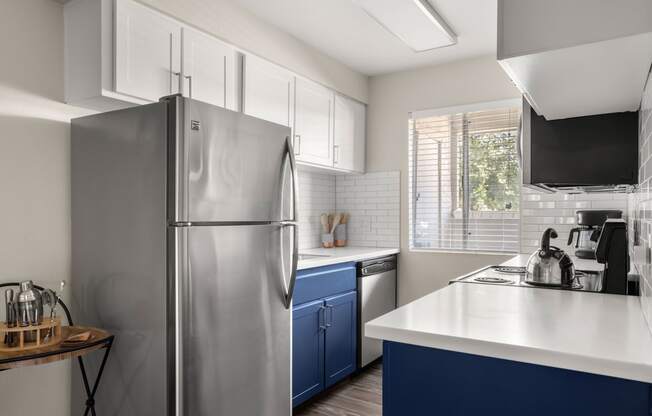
(376, 297)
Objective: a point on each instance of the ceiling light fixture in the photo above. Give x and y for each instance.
(416, 22)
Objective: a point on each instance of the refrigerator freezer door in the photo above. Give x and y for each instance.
(236, 330)
(226, 166)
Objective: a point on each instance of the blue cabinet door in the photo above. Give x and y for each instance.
(340, 346)
(307, 351)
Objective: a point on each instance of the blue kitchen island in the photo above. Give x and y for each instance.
(472, 349)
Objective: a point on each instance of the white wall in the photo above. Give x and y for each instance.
(239, 27)
(391, 98)
(34, 181)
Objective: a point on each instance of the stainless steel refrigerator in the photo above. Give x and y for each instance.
(184, 245)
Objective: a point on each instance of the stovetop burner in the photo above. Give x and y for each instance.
(495, 280)
(516, 276)
(509, 269)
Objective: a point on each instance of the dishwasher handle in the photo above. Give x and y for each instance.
(371, 267)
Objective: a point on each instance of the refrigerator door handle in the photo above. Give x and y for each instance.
(289, 156)
(293, 170)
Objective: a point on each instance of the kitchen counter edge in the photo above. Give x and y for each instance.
(401, 328)
(342, 255)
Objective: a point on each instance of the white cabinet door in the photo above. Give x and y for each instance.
(349, 134)
(268, 91)
(209, 69)
(147, 51)
(313, 123)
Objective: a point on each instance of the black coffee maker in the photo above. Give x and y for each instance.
(613, 252)
(587, 233)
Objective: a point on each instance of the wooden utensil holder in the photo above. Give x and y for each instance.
(21, 332)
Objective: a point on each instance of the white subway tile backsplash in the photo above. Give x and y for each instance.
(373, 200)
(542, 210)
(640, 207)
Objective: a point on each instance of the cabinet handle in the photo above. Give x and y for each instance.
(297, 144)
(322, 318)
(336, 154)
(189, 78)
(330, 320)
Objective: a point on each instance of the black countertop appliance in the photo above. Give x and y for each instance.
(587, 232)
(612, 251)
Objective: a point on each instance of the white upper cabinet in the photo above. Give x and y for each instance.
(209, 69)
(349, 134)
(147, 51)
(576, 58)
(143, 55)
(313, 123)
(268, 91)
(121, 53)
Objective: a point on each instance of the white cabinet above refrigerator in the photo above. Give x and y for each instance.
(120, 53)
(147, 52)
(268, 91)
(209, 69)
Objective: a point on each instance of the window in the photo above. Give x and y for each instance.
(465, 179)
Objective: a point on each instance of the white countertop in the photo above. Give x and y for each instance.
(341, 255)
(580, 264)
(589, 332)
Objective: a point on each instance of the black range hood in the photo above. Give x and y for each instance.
(582, 154)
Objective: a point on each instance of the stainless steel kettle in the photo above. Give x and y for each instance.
(549, 265)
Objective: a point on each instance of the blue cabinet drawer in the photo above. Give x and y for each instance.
(321, 282)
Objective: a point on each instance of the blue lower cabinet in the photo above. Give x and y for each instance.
(307, 351)
(427, 381)
(341, 327)
(324, 329)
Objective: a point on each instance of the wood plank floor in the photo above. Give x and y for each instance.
(361, 395)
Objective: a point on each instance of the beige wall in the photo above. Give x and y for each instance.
(237, 26)
(391, 98)
(34, 182)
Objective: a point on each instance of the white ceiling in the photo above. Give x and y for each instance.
(342, 30)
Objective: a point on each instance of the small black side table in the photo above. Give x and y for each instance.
(99, 340)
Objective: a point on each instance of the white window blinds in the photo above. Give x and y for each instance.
(465, 180)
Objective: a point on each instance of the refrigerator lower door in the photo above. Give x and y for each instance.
(235, 329)
(227, 166)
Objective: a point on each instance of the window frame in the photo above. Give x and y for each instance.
(411, 185)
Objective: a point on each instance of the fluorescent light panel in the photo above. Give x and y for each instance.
(415, 22)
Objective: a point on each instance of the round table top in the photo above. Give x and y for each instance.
(99, 339)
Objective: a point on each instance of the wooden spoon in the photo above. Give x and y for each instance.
(323, 218)
(336, 222)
